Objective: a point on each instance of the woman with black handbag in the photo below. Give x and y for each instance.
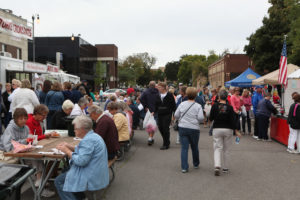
(189, 115)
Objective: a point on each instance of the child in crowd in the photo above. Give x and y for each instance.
(17, 131)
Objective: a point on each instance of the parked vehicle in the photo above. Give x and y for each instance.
(112, 91)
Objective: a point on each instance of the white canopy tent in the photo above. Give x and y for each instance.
(293, 86)
(272, 78)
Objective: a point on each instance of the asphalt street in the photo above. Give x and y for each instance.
(258, 170)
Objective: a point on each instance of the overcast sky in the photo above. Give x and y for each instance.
(166, 29)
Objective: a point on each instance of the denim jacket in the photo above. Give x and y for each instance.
(88, 166)
(54, 100)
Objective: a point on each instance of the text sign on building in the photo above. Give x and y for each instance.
(52, 68)
(11, 64)
(35, 67)
(15, 29)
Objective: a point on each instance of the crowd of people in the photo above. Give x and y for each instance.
(30, 112)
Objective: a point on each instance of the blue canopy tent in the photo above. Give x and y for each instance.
(244, 79)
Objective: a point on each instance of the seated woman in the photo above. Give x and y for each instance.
(88, 162)
(120, 121)
(16, 130)
(34, 121)
(58, 119)
(79, 109)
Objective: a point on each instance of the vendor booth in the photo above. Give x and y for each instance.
(272, 78)
(243, 80)
(293, 85)
(11, 68)
(37, 73)
(279, 128)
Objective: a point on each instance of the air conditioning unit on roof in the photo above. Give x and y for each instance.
(6, 54)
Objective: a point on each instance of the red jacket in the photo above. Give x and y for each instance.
(35, 127)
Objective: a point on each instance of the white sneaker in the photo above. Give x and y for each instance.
(291, 150)
(47, 193)
(37, 183)
(255, 137)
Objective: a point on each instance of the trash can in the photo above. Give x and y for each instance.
(12, 179)
(70, 126)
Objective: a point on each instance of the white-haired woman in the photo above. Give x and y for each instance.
(87, 161)
(79, 108)
(25, 98)
(58, 119)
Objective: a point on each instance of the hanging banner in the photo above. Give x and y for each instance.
(35, 67)
(15, 29)
(52, 68)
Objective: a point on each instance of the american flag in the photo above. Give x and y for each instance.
(282, 78)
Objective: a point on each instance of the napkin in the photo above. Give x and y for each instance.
(46, 153)
(56, 151)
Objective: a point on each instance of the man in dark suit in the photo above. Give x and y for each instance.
(165, 107)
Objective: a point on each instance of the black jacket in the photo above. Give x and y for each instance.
(149, 99)
(58, 120)
(222, 115)
(167, 106)
(294, 121)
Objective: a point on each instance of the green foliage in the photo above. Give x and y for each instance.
(126, 75)
(265, 45)
(293, 38)
(192, 66)
(158, 75)
(136, 68)
(100, 77)
(171, 70)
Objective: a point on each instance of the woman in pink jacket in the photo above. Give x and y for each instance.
(246, 118)
(236, 103)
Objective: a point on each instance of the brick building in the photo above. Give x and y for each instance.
(107, 54)
(227, 68)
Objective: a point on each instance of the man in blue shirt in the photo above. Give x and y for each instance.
(257, 96)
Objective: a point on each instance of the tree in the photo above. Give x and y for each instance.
(126, 75)
(265, 44)
(158, 75)
(138, 65)
(100, 77)
(293, 39)
(193, 67)
(171, 70)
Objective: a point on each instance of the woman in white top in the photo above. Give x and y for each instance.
(79, 108)
(189, 115)
(25, 98)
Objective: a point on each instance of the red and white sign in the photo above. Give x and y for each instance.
(35, 67)
(52, 68)
(15, 29)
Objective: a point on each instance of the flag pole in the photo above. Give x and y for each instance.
(282, 85)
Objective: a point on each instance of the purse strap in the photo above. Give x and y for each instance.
(185, 112)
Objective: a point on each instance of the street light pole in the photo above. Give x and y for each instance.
(33, 43)
(33, 39)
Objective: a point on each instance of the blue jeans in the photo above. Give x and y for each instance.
(59, 184)
(189, 136)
